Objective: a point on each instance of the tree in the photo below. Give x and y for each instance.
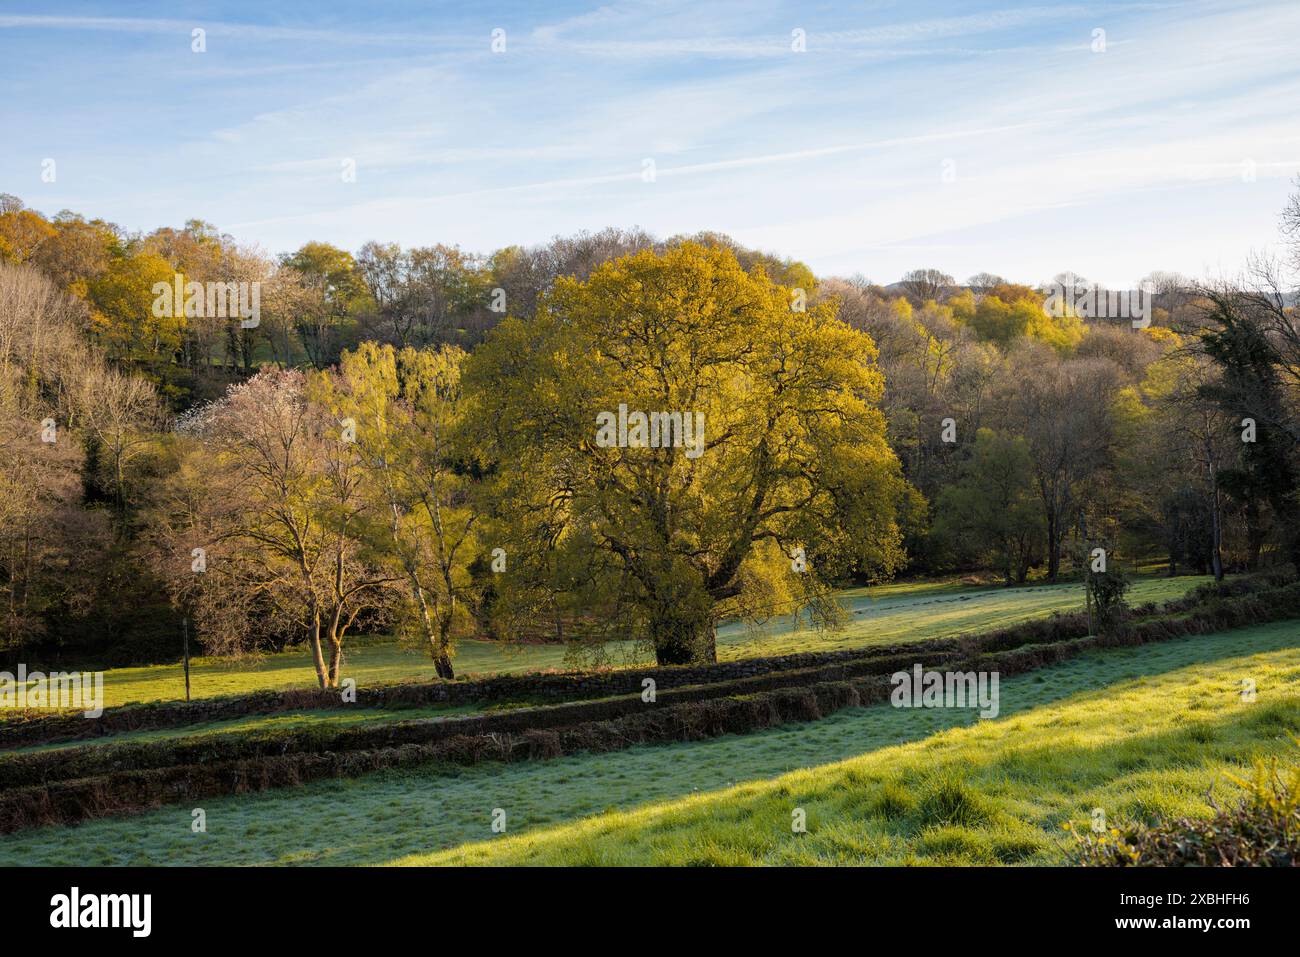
(120, 415)
(406, 407)
(1172, 291)
(1063, 408)
(123, 316)
(1184, 448)
(77, 253)
(22, 232)
(766, 433)
(991, 512)
(41, 344)
(783, 271)
(1291, 223)
(924, 285)
(1106, 591)
(341, 295)
(52, 551)
(290, 304)
(275, 497)
(442, 292)
(384, 268)
(1241, 339)
(524, 274)
(984, 282)
(1006, 313)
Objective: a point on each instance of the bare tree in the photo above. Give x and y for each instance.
(120, 417)
(983, 283)
(282, 519)
(50, 547)
(1063, 409)
(923, 285)
(1291, 223)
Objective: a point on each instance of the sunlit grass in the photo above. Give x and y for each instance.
(918, 611)
(912, 611)
(370, 661)
(996, 792)
(1136, 731)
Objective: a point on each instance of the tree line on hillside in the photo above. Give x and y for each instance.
(609, 437)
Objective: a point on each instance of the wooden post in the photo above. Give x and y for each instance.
(185, 626)
(1087, 569)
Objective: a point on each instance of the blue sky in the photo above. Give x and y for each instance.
(967, 136)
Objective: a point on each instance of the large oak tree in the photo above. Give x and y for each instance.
(792, 462)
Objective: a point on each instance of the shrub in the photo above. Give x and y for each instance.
(1263, 830)
(1108, 590)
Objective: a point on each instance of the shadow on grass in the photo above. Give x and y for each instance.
(389, 815)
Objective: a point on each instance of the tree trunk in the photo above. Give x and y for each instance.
(680, 640)
(442, 665)
(437, 641)
(711, 644)
(441, 659)
(1053, 546)
(318, 659)
(336, 660)
(1216, 529)
(1255, 535)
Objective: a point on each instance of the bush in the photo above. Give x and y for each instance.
(1108, 590)
(1263, 830)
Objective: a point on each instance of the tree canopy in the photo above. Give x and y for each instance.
(789, 445)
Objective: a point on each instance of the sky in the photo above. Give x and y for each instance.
(1110, 139)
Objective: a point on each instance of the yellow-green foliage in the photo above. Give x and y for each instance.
(766, 382)
(1011, 312)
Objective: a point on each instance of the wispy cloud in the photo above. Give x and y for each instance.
(224, 29)
(989, 136)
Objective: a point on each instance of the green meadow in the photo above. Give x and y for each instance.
(887, 614)
(1138, 732)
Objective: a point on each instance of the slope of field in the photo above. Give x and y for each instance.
(1136, 731)
(919, 611)
(1152, 745)
(884, 615)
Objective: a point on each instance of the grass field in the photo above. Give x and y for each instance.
(918, 611)
(1153, 743)
(1136, 731)
(882, 615)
